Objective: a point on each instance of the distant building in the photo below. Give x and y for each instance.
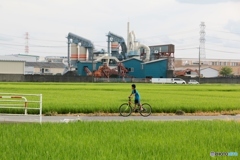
(57, 59)
(209, 65)
(45, 68)
(12, 67)
(209, 72)
(25, 57)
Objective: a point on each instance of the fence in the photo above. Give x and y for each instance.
(21, 103)
(120, 80)
(74, 78)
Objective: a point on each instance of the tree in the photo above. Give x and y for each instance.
(226, 71)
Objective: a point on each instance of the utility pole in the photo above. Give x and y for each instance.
(199, 64)
(26, 43)
(92, 68)
(69, 62)
(201, 47)
(202, 40)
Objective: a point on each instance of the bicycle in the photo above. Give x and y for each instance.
(125, 109)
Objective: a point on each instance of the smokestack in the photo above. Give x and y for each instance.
(127, 35)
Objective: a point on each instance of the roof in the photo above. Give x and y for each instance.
(183, 72)
(45, 65)
(159, 45)
(192, 68)
(5, 60)
(131, 59)
(209, 68)
(11, 58)
(26, 55)
(208, 59)
(156, 60)
(20, 57)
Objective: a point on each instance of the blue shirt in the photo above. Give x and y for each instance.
(137, 95)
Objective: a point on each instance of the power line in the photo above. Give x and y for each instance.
(30, 38)
(222, 51)
(221, 45)
(11, 36)
(8, 44)
(32, 51)
(186, 48)
(207, 49)
(34, 39)
(224, 31)
(224, 38)
(176, 33)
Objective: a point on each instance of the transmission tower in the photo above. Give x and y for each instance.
(26, 43)
(202, 40)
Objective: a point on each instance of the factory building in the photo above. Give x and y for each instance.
(151, 69)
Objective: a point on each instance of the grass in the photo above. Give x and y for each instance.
(119, 140)
(66, 98)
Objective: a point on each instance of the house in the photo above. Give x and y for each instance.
(45, 68)
(216, 64)
(209, 72)
(192, 71)
(186, 72)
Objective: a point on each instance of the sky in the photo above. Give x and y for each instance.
(155, 22)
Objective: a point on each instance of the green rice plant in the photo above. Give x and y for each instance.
(106, 97)
(119, 140)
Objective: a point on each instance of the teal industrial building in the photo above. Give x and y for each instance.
(82, 66)
(136, 67)
(151, 69)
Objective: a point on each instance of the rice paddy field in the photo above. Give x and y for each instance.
(143, 140)
(64, 98)
(119, 140)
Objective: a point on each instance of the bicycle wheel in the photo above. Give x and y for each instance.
(147, 110)
(125, 110)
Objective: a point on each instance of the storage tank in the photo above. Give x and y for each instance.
(115, 46)
(74, 54)
(82, 53)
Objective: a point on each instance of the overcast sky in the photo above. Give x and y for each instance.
(154, 22)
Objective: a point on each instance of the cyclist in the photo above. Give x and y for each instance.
(137, 98)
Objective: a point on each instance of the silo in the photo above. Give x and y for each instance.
(74, 54)
(114, 47)
(82, 53)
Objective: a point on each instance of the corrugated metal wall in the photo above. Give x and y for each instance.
(81, 65)
(156, 69)
(137, 71)
(12, 67)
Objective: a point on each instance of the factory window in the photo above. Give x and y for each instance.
(112, 62)
(41, 70)
(47, 70)
(104, 60)
(130, 69)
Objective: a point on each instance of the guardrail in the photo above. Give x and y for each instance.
(21, 101)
